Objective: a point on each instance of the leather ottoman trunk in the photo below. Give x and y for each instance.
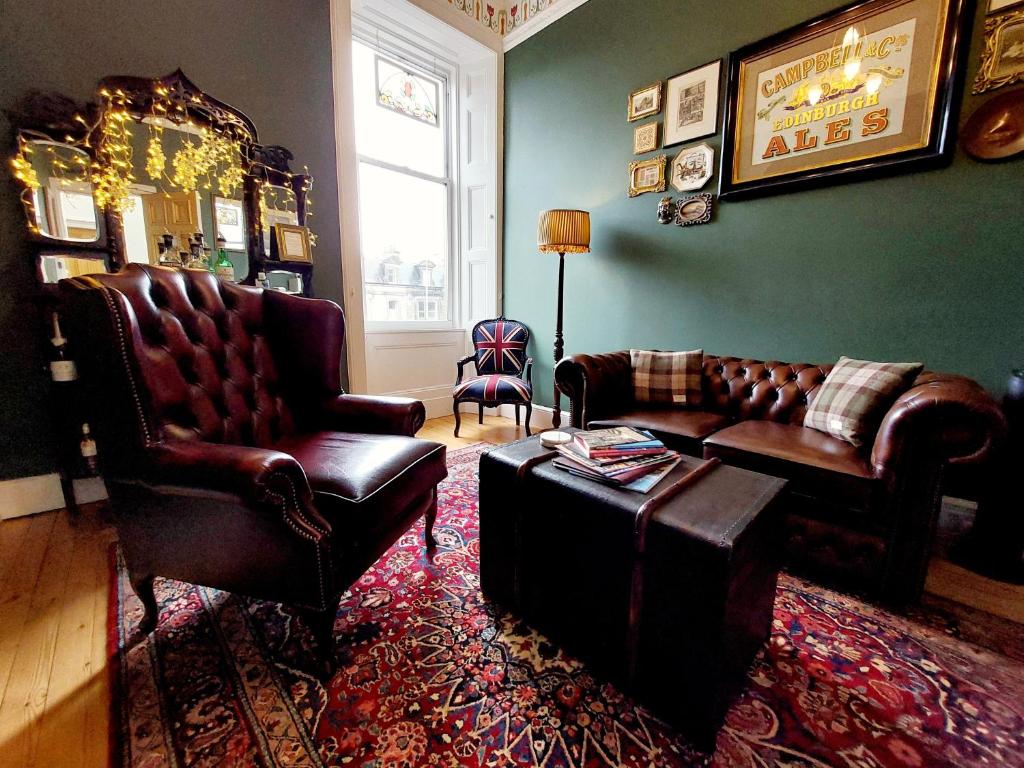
(669, 594)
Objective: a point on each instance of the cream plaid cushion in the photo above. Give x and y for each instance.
(855, 395)
(667, 377)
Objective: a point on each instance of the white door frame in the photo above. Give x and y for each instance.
(347, 169)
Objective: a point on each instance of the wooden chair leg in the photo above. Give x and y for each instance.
(481, 413)
(143, 586)
(458, 418)
(321, 624)
(529, 410)
(428, 523)
(517, 414)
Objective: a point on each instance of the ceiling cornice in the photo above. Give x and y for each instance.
(514, 21)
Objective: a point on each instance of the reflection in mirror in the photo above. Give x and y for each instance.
(277, 206)
(57, 266)
(57, 179)
(187, 196)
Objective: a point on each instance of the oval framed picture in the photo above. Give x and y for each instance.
(695, 209)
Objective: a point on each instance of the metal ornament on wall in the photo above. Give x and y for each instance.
(695, 209)
(666, 210)
(996, 129)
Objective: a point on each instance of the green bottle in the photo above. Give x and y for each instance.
(224, 269)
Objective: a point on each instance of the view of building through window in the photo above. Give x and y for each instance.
(404, 217)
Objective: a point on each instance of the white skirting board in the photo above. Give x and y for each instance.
(41, 493)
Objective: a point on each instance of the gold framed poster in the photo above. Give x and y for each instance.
(292, 243)
(864, 90)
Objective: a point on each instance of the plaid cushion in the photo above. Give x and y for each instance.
(667, 377)
(855, 395)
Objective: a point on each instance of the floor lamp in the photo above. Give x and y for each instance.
(562, 232)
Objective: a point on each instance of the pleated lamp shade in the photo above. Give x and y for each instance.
(562, 231)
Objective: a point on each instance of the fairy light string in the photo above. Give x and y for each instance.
(209, 158)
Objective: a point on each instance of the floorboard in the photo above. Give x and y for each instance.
(54, 582)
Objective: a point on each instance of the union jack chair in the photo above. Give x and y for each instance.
(502, 369)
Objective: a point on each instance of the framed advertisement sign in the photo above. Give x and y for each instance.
(868, 89)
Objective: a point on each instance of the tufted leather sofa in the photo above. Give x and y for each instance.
(231, 456)
(863, 517)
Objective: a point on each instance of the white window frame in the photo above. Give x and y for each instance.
(434, 63)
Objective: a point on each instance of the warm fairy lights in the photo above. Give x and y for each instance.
(208, 158)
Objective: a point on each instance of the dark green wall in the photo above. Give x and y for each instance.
(922, 266)
(271, 59)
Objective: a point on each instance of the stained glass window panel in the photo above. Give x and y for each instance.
(406, 92)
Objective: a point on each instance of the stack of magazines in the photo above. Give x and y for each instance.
(632, 459)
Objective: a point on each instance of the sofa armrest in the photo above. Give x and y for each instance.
(595, 384)
(260, 477)
(371, 414)
(950, 417)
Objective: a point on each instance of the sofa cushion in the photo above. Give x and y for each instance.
(671, 378)
(855, 396)
(691, 424)
(791, 443)
(365, 483)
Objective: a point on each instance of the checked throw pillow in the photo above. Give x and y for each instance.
(667, 377)
(855, 395)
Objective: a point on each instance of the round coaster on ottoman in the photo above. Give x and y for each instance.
(554, 438)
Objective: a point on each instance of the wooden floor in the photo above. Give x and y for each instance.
(54, 692)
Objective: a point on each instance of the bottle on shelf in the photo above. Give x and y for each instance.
(224, 269)
(195, 247)
(262, 280)
(87, 448)
(62, 368)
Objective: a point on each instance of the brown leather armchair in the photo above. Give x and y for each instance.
(231, 456)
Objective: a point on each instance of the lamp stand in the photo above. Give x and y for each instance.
(556, 414)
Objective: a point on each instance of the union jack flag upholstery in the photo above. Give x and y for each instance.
(500, 346)
(494, 388)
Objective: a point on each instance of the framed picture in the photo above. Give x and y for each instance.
(292, 243)
(647, 176)
(998, 5)
(1002, 61)
(691, 103)
(645, 102)
(692, 168)
(229, 222)
(695, 209)
(645, 138)
(867, 90)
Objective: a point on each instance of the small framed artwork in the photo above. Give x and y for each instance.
(645, 138)
(867, 90)
(647, 176)
(645, 102)
(229, 222)
(695, 209)
(692, 168)
(691, 103)
(997, 5)
(1002, 60)
(292, 243)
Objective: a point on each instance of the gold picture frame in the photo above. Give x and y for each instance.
(647, 176)
(1004, 35)
(292, 243)
(644, 102)
(645, 138)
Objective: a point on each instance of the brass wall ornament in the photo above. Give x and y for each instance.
(996, 129)
(647, 176)
(1002, 61)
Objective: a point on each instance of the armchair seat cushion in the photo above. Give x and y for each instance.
(494, 388)
(366, 483)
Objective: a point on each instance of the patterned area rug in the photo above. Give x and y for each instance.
(431, 674)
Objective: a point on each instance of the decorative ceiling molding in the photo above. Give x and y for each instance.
(515, 21)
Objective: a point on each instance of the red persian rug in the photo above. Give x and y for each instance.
(431, 674)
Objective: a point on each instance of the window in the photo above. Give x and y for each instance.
(405, 187)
